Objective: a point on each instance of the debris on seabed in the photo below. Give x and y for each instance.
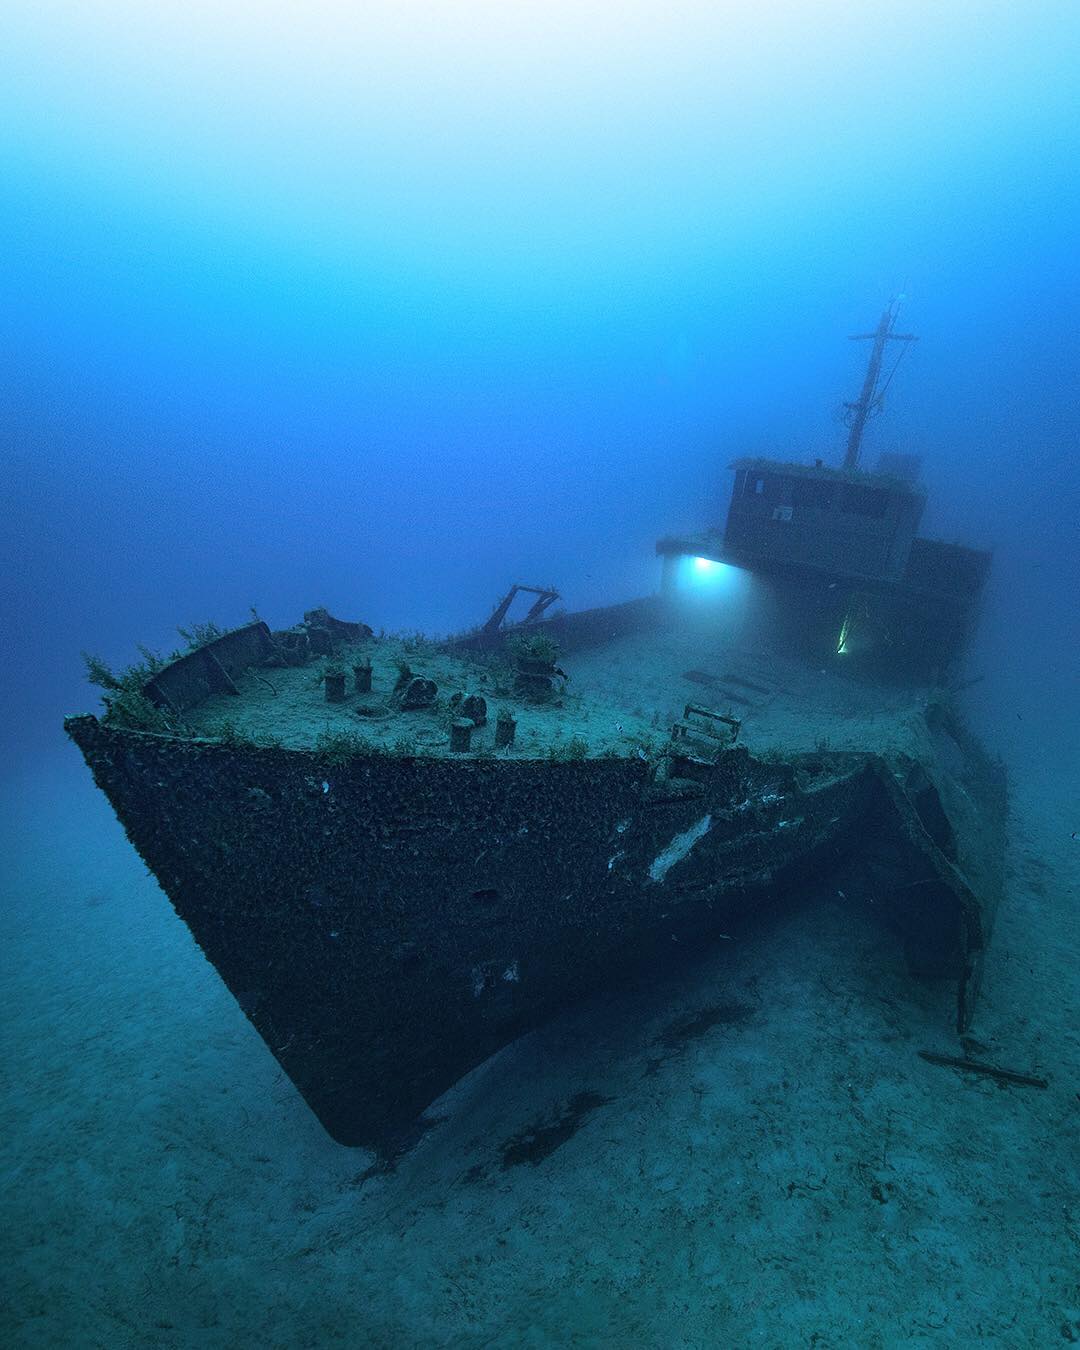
(988, 1070)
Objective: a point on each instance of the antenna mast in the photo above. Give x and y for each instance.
(869, 397)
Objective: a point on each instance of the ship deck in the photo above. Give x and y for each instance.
(621, 698)
(785, 704)
(288, 707)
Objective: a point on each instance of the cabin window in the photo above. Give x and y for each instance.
(863, 501)
(754, 486)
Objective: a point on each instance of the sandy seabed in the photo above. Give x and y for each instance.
(758, 1156)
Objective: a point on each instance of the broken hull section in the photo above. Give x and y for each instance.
(388, 922)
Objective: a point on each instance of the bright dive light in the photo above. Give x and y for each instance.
(708, 576)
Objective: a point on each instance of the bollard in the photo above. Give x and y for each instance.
(461, 730)
(362, 676)
(335, 686)
(505, 727)
(475, 707)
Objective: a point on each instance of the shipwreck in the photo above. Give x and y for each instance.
(401, 854)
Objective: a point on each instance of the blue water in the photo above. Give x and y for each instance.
(385, 307)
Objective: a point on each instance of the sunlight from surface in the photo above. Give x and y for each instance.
(456, 125)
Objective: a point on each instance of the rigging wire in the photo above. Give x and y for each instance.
(878, 397)
(846, 411)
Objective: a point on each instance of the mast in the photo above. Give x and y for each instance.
(869, 397)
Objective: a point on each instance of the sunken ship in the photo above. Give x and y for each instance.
(401, 854)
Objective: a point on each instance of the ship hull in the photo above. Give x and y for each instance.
(387, 922)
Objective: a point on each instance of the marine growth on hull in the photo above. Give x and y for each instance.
(400, 854)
